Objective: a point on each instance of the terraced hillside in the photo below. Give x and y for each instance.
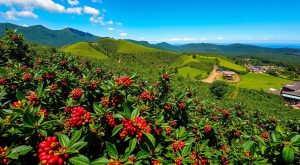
(84, 49)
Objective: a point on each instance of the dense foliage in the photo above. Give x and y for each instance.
(61, 109)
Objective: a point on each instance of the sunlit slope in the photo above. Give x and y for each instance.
(84, 49)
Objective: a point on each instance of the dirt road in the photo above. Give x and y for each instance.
(210, 79)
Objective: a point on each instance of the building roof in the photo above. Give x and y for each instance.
(229, 73)
(291, 93)
(294, 86)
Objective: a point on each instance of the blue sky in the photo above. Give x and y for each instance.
(181, 21)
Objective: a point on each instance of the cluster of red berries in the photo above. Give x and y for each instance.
(3, 81)
(147, 96)
(63, 63)
(182, 105)
(68, 109)
(201, 161)
(177, 161)
(44, 111)
(225, 113)
(125, 81)
(236, 133)
(23, 67)
(51, 152)
(168, 130)
(33, 98)
(166, 76)
(105, 101)
(80, 117)
(110, 120)
(134, 127)
(168, 107)
(248, 153)
(93, 85)
(76, 93)
(132, 159)
(63, 83)
(115, 162)
(49, 76)
(224, 161)
(207, 129)
(16, 104)
(265, 135)
(177, 145)
(155, 162)
(2, 154)
(26, 77)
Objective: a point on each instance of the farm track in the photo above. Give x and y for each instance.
(210, 79)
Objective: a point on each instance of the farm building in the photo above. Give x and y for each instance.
(291, 93)
(228, 75)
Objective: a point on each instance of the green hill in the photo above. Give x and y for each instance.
(84, 49)
(56, 38)
(109, 45)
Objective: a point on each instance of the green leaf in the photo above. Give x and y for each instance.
(132, 145)
(247, 145)
(98, 109)
(274, 137)
(20, 150)
(63, 140)
(280, 130)
(20, 96)
(29, 119)
(135, 113)
(295, 139)
(186, 151)
(150, 140)
(112, 150)
(80, 159)
(75, 137)
(100, 161)
(77, 146)
(43, 132)
(117, 129)
(288, 154)
(142, 155)
(118, 116)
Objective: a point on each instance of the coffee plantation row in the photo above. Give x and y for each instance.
(57, 109)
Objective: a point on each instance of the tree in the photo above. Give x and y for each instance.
(219, 88)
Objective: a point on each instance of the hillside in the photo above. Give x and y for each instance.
(289, 55)
(55, 38)
(57, 109)
(122, 46)
(85, 50)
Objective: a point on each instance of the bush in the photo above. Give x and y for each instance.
(219, 88)
(13, 46)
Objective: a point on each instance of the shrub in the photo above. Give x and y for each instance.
(219, 88)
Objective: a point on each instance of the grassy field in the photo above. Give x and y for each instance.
(129, 47)
(84, 49)
(225, 63)
(261, 81)
(187, 59)
(192, 72)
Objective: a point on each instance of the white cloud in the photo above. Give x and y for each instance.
(110, 22)
(123, 34)
(221, 38)
(96, 19)
(182, 39)
(97, 1)
(91, 10)
(142, 38)
(25, 25)
(110, 29)
(74, 10)
(48, 5)
(73, 2)
(13, 14)
(119, 23)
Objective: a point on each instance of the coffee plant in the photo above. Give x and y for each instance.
(63, 110)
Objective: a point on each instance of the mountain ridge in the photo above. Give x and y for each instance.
(40, 34)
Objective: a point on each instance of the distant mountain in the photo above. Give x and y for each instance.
(44, 36)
